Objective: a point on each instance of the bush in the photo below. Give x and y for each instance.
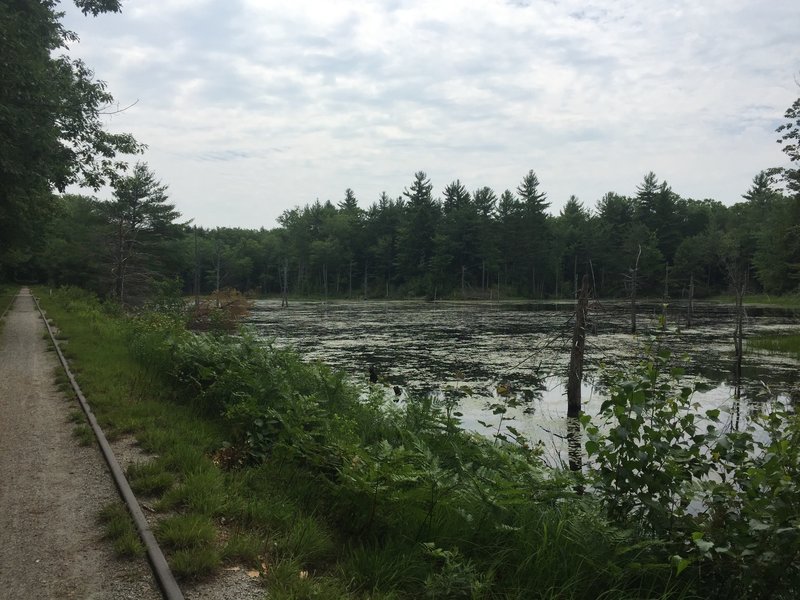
(725, 502)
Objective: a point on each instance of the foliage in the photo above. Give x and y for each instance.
(352, 497)
(724, 501)
(50, 122)
(378, 475)
(789, 344)
(119, 528)
(140, 219)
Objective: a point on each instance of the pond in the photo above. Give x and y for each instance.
(480, 353)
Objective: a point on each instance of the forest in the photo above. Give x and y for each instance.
(475, 245)
(257, 458)
(469, 243)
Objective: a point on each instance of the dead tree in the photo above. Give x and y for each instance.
(285, 284)
(634, 273)
(738, 334)
(576, 353)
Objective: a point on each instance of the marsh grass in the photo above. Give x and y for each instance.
(779, 344)
(788, 301)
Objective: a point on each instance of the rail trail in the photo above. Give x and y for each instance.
(51, 489)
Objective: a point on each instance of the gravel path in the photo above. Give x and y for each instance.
(51, 489)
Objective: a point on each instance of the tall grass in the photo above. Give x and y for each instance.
(784, 344)
(268, 460)
(788, 300)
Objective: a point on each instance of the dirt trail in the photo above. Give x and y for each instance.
(51, 489)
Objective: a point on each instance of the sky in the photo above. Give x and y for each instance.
(253, 107)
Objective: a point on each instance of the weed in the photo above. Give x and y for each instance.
(84, 434)
(287, 580)
(202, 492)
(149, 478)
(186, 531)
(76, 416)
(194, 562)
(243, 548)
(306, 540)
(784, 344)
(119, 529)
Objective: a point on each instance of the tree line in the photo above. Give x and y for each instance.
(477, 243)
(467, 244)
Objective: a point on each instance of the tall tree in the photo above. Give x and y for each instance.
(790, 141)
(417, 234)
(141, 221)
(50, 109)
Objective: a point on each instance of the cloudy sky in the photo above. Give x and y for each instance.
(251, 107)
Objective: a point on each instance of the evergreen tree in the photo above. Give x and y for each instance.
(416, 244)
(140, 220)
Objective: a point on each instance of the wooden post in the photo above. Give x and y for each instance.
(576, 353)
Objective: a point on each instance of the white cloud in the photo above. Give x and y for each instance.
(273, 104)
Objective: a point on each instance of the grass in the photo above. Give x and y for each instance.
(192, 541)
(783, 344)
(83, 434)
(788, 301)
(119, 529)
(150, 478)
(285, 512)
(127, 399)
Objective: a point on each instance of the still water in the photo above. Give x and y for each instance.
(482, 353)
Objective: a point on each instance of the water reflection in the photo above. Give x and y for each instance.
(479, 354)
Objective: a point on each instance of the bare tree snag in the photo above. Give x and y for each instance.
(634, 273)
(576, 353)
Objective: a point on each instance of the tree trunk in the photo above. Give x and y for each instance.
(325, 281)
(350, 289)
(633, 291)
(285, 284)
(575, 289)
(738, 337)
(577, 351)
(690, 309)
